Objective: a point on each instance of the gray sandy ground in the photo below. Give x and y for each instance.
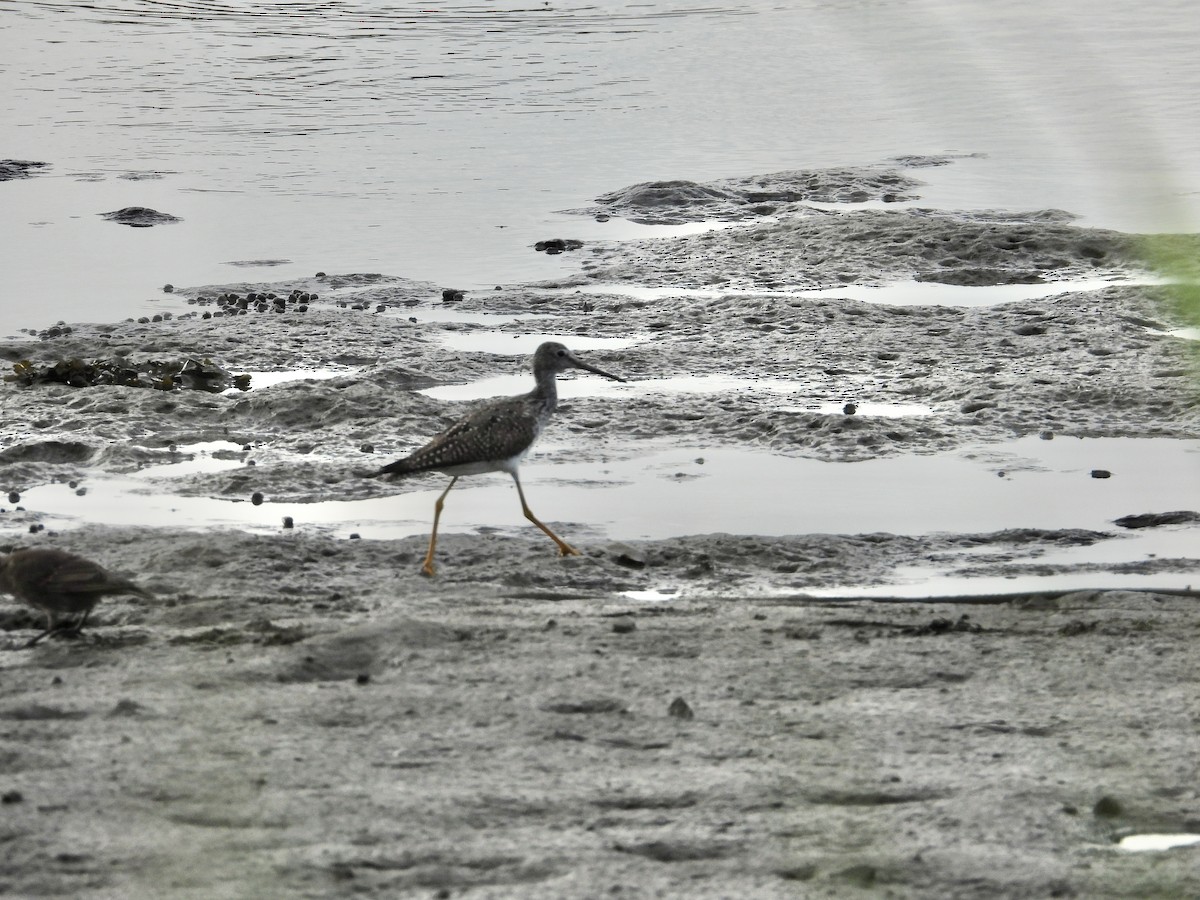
(305, 716)
(308, 718)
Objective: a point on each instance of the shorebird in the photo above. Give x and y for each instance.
(495, 438)
(60, 584)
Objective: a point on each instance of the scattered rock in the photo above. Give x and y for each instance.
(162, 375)
(679, 709)
(557, 245)
(628, 556)
(1142, 520)
(18, 168)
(140, 217)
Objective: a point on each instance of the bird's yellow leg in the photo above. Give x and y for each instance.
(564, 549)
(427, 566)
(50, 627)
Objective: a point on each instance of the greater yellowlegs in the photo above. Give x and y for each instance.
(60, 584)
(495, 437)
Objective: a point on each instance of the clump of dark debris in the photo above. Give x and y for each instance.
(162, 375)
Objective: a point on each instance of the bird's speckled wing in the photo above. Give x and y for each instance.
(498, 431)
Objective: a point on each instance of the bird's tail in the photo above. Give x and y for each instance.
(399, 467)
(132, 588)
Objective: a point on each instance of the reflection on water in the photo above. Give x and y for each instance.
(902, 293)
(434, 141)
(1141, 843)
(525, 344)
(572, 385)
(1028, 483)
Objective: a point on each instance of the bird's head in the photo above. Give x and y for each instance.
(555, 357)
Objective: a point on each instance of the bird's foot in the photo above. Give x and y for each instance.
(568, 550)
(71, 631)
(427, 570)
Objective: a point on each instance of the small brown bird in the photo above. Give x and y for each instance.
(60, 584)
(495, 438)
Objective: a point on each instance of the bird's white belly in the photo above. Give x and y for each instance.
(489, 465)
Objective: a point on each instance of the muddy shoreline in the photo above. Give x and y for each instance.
(303, 714)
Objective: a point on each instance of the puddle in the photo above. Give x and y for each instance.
(672, 491)
(195, 459)
(579, 385)
(572, 384)
(904, 293)
(654, 595)
(1142, 843)
(452, 312)
(884, 410)
(261, 380)
(526, 344)
(1188, 334)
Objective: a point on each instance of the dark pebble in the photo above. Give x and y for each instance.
(14, 497)
(679, 709)
(256, 498)
(288, 523)
(1101, 473)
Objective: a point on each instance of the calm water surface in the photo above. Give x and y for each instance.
(438, 141)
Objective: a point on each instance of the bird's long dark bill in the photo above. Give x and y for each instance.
(582, 365)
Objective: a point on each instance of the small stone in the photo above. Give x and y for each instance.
(14, 497)
(1101, 473)
(363, 678)
(624, 626)
(126, 707)
(256, 498)
(630, 557)
(168, 288)
(12, 797)
(288, 522)
(679, 709)
(1108, 808)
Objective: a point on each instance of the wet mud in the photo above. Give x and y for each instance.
(301, 713)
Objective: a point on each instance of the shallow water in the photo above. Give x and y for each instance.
(437, 142)
(575, 386)
(1142, 843)
(903, 293)
(1028, 483)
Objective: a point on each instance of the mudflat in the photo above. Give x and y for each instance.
(301, 713)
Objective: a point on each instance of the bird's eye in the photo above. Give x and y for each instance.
(561, 352)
